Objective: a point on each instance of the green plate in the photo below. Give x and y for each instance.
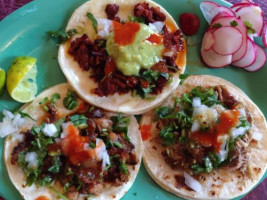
(24, 33)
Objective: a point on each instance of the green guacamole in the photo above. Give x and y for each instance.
(140, 54)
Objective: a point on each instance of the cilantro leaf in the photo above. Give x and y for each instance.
(23, 115)
(94, 21)
(234, 23)
(217, 25)
(136, 19)
(61, 36)
(70, 101)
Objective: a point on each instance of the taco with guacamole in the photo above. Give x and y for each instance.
(68, 149)
(207, 141)
(123, 56)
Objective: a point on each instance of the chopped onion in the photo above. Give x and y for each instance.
(50, 130)
(31, 158)
(8, 114)
(196, 102)
(19, 137)
(105, 26)
(64, 127)
(192, 183)
(242, 112)
(168, 53)
(106, 160)
(239, 131)
(10, 123)
(157, 26)
(256, 136)
(195, 126)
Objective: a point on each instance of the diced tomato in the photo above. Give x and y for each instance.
(155, 39)
(145, 131)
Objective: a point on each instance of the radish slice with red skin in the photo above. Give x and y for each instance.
(250, 56)
(254, 15)
(206, 7)
(226, 21)
(210, 10)
(214, 60)
(264, 35)
(228, 40)
(222, 14)
(260, 60)
(208, 41)
(242, 4)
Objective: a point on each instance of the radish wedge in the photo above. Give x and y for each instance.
(208, 41)
(250, 56)
(260, 60)
(206, 7)
(253, 15)
(264, 35)
(214, 60)
(226, 21)
(228, 40)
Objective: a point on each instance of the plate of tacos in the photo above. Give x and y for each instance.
(116, 117)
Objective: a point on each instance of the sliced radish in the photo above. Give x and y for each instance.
(254, 15)
(264, 35)
(206, 8)
(212, 59)
(228, 40)
(226, 21)
(222, 14)
(250, 56)
(260, 60)
(208, 41)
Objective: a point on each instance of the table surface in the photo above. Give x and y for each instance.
(8, 6)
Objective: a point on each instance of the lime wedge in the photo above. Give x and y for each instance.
(21, 79)
(2, 81)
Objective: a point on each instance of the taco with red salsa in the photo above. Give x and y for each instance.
(207, 141)
(68, 149)
(124, 56)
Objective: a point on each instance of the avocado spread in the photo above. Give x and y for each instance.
(139, 54)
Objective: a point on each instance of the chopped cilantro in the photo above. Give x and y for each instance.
(23, 114)
(79, 121)
(136, 19)
(61, 36)
(55, 168)
(70, 101)
(217, 25)
(94, 21)
(92, 145)
(120, 125)
(234, 23)
(123, 167)
(248, 25)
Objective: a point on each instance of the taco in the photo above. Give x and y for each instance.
(71, 150)
(125, 56)
(207, 141)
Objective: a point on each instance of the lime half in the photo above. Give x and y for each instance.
(21, 79)
(2, 80)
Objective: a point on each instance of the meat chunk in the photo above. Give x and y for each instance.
(225, 97)
(111, 11)
(150, 14)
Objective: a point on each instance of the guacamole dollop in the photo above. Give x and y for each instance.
(139, 54)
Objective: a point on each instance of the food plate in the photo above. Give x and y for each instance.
(24, 33)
